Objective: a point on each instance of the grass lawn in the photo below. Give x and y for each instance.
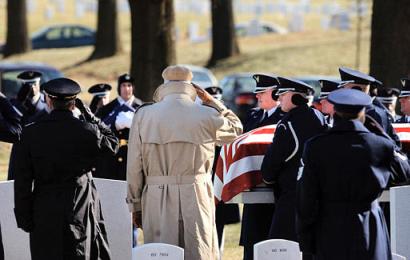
(312, 52)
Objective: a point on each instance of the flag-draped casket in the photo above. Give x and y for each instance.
(239, 163)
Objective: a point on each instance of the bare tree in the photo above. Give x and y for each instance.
(224, 42)
(390, 41)
(107, 41)
(17, 40)
(153, 43)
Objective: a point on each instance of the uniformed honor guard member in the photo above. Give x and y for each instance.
(388, 97)
(101, 96)
(10, 130)
(345, 171)
(169, 167)
(257, 218)
(327, 86)
(404, 99)
(30, 104)
(353, 79)
(282, 161)
(55, 197)
(118, 116)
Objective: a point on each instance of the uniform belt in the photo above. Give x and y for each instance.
(178, 179)
(123, 142)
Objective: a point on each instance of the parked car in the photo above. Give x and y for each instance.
(257, 28)
(203, 77)
(238, 93)
(9, 85)
(61, 36)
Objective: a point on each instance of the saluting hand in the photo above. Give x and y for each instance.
(202, 94)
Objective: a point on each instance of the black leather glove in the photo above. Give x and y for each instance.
(86, 112)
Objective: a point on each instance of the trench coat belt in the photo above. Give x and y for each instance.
(178, 179)
(356, 207)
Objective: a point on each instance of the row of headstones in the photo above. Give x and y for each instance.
(203, 7)
(118, 223)
(265, 250)
(341, 21)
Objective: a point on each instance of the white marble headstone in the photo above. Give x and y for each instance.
(400, 220)
(158, 251)
(296, 22)
(117, 220)
(277, 249)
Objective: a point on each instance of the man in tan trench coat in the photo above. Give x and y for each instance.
(170, 156)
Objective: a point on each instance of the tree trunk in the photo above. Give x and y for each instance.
(224, 42)
(153, 43)
(17, 40)
(107, 40)
(390, 41)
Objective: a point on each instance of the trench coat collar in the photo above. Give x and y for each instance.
(342, 125)
(174, 87)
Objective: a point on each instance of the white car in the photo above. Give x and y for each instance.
(203, 77)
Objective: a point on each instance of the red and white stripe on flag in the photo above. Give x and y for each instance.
(239, 163)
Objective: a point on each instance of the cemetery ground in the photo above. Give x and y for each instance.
(311, 52)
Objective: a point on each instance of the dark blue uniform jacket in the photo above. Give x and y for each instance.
(257, 218)
(345, 171)
(282, 162)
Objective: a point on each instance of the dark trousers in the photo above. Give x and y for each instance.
(248, 252)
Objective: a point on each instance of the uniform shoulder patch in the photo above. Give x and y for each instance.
(143, 105)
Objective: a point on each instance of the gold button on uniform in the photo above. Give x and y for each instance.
(120, 159)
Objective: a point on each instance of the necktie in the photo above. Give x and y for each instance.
(265, 115)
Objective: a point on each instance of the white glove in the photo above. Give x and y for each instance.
(124, 120)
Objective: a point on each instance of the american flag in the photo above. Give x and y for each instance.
(239, 163)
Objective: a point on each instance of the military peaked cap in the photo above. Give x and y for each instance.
(353, 76)
(288, 84)
(349, 100)
(101, 89)
(388, 95)
(405, 91)
(61, 88)
(29, 76)
(265, 82)
(327, 86)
